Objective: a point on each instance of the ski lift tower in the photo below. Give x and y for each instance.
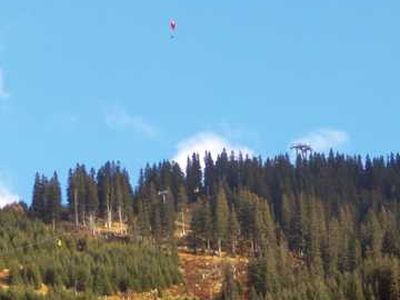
(162, 193)
(302, 149)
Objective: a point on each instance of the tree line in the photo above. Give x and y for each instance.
(321, 226)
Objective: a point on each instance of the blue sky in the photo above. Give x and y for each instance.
(90, 81)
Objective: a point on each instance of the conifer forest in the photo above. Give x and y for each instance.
(315, 227)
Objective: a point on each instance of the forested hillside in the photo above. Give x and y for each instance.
(324, 227)
(72, 266)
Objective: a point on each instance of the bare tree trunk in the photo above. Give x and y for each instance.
(91, 223)
(76, 287)
(120, 217)
(219, 247)
(109, 216)
(54, 223)
(84, 218)
(109, 207)
(183, 222)
(76, 207)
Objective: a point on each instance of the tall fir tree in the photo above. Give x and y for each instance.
(233, 230)
(38, 203)
(220, 216)
(193, 177)
(53, 205)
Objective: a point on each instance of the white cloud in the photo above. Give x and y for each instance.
(323, 140)
(6, 196)
(3, 92)
(205, 141)
(117, 118)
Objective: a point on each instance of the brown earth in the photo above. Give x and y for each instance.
(203, 277)
(4, 278)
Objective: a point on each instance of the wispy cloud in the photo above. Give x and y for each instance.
(6, 195)
(3, 92)
(116, 118)
(323, 140)
(205, 141)
(237, 131)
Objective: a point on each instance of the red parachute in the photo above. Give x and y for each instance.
(172, 26)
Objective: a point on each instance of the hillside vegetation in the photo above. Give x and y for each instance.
(76, 267)
(323, 227)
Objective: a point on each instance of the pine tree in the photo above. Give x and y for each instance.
(233, 230)
(221, 214)
(53, 205)
(117, 183)
(286, 211)
(92, 198)
(372, 235)
(38, 198)
(155, 218)
(245, 212)
(230, 289)
(77, 193)
(193, 177)
(259, 239)
(210, 176)
(168, 215)
(298, 225)
(106, 191)
(314, 229)
(144, 224)
(331, 247)
(201, 223)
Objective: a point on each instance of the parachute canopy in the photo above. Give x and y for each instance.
(172, 24)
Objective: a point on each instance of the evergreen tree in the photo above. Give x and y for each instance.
(168, 215)
(155, 218)
(53, 205)
(210, 176)
(92, 197)
(221, 214)
(77, 193)
(106, 191)
(201, 223)
(38, 199)
(193, 177)
(230, 289)
(233, 230)
(143, 223)
(286, 210)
